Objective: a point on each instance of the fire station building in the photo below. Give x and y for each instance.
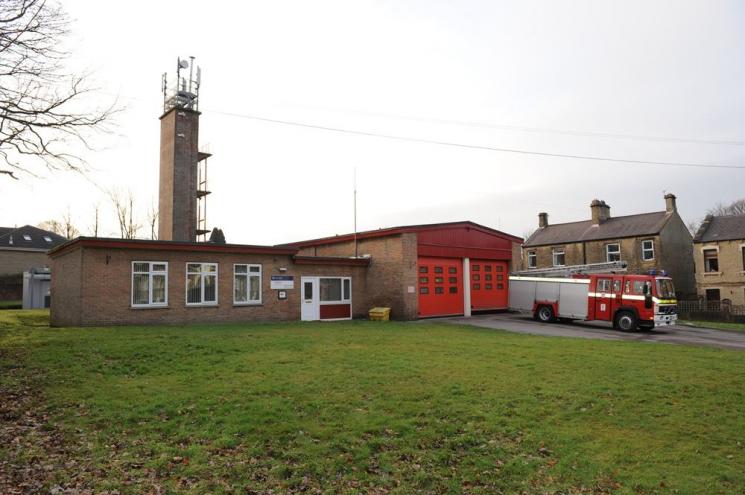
(417, 271)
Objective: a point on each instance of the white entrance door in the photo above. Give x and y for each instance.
(310, 309)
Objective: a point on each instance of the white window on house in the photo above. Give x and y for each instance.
(247, 284)
(532, 259)
(201, 284)
(335, 290)
(558, 256)
(26, 237)
(613, 252)
(711, 260)
(647, 250)
(47, 238)
(149, 283)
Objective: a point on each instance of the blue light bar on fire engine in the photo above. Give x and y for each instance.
(661, 273)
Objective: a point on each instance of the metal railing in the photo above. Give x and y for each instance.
(711, 310)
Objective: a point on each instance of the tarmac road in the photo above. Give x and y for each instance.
(675, 334)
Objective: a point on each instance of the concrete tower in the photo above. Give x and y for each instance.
(182, 187)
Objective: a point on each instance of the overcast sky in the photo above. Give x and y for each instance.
(493, 74)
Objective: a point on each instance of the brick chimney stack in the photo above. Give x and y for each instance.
(670, 205)
(600, 211)
(542, 220)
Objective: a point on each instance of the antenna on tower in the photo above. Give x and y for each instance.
(355, 212)
(185, 93)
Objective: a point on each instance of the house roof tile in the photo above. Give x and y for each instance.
(29, 237)
(723, 228)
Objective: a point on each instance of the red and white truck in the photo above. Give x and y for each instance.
(586, 293)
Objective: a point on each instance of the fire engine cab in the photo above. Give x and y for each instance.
(599, 291)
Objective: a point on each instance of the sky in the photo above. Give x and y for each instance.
(570, 78)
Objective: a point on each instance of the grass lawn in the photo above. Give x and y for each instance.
(365, 407)
(715, 324)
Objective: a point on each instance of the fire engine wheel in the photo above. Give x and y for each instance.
(626, 321)
(545, 314)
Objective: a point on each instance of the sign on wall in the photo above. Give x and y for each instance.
(282, 282)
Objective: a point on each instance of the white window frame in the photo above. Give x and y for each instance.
(647, 249)
(608, 253)
(150, 273)
(534, 255)
(340, 301)
(703, 256)
(202, 274)
(556, 251)
(248, 276)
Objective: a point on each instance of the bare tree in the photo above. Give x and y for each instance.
(124, 207)
(40, 104)
(152, 220)
(64, 227)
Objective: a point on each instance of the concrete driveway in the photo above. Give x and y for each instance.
(677, 334)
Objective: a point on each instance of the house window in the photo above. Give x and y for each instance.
(47, 238)
(743, 257)
(711, 260)
(149, 283)
(246, 284)
(338, 290)
(712, 295)
(26, 237)
(613, 252)
(647, 250)
(558, 255)
(532, 259)
(201, 284)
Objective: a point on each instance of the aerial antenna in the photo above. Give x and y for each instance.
(355, 212)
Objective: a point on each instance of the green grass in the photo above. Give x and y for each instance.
(352, 407)
(11, 304)
(715, 324)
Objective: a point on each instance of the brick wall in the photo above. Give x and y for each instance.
(730, 279)
(15, 261)
(92, 286)
(391, 272)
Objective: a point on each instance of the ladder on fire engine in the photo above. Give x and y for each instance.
(568, 271)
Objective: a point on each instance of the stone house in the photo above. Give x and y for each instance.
(646, 241)
(719, 255)
(21, 249)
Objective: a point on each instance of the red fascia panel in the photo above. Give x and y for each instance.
(405, 229)
(330, 260)
(333, 311)
(464, 242)
(83, 242)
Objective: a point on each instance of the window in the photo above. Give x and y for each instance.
(487, 268)
(500, 286)
(246, 284)
(647, 249)
(711, 260)
(423, 280)
(438, 269)
(712, 295)
(423, 269)
(201, 284)
(532, 259)
(487, 277)
(476, 286)
(603, 285)
(500, 277)
(47, 238)
(424, 290)
(149, 283)
(453, 280)
(26, 237)
(488, 287)
(558, 254)
(439, 290)
(476, 277)
(439, 280)
(476, 268)
(453, 290)
(743, 257)
(613, 252)
(500, 268)
(453, 270)
(338, 290)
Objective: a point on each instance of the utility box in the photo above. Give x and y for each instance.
(36, 288)
(380, 314)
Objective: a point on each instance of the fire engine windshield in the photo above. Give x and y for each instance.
(665, 289)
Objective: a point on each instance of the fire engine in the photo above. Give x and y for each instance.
(598, 291)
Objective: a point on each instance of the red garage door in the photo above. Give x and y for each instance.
(489, 281)
(440, 286)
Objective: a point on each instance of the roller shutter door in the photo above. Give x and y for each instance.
(440, 286)
(489, 280)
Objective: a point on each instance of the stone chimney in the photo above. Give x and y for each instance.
(670, 205)
(600, 211)
(542, 220)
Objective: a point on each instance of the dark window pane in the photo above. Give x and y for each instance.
(347, 289)
(140, 289)
(476, 268)
(487, 276)
(424, 290)
(453, 280)
(487, 268)
(453, 290)
(452, 269)
(439, 280)
(438, 269)
(194, 289)
(423, 269)
(210, 288)
(309, 290)
(500, 286)
(423, 280)
(476, 286)
(330, 289)
(439, 290)
(500, 277)
(488, 287)
(476, 277)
